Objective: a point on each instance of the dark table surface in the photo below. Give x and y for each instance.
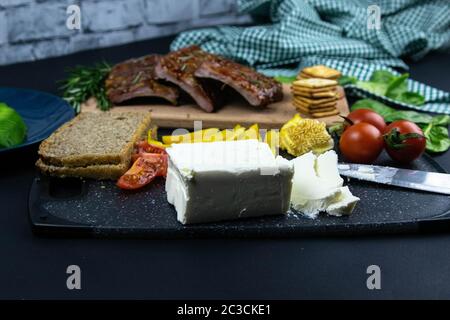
(412, 266)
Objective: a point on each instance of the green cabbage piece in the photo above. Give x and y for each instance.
(12, 127)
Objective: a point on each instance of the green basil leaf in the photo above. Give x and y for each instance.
(384, 83)
(413, 98)
(412, 116)
(397, 86)
(437, 138)
(284, 79)
(380, 108)
(344, 80)
(373, 87)
(441, 120)
(12, 128)
(382, 76)
(390, 114)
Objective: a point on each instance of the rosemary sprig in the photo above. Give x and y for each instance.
(85, 82)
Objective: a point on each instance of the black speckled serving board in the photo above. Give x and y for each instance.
(71, 207)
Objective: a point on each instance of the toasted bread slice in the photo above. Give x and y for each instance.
(103, 138)
(99, 172)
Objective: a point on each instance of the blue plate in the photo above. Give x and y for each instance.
(43, 113)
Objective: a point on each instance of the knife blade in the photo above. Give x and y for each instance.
(413, 179)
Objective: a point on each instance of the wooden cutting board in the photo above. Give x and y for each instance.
(239, 112)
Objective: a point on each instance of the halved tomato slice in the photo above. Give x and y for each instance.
(159, 161)
(144, 146)
(143, 171)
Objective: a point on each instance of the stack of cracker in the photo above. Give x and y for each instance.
(316, 97)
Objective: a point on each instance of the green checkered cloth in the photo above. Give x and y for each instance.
(335, 33)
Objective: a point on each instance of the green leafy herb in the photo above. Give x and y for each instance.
(186, 58)
(373, 87)
(386, 112)
(284, 79)
(254, 82)
(344, 80)
(85, 82)
(137, 78)
(397, 86)
(336, 129)
(390, 114)
(12, 127)
(412, 116)
(384, 83)
(413, 98)
(381, 76)
(434, 128)
(437, 137)
(442, 120)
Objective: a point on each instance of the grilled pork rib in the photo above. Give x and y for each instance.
(198, 73)
(136, 78)
(179, 67)
(258, 89)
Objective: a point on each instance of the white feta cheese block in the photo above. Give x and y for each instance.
(225, 180)
(317, 186)
(344, 205)
(327, 170)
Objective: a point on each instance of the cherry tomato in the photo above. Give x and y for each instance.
(368, 116)
(404, 141)
(361, 143)
(143, 171)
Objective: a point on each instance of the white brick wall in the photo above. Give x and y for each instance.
(209, 7)
(163, 11)
(37, 21)
(3, 28)
(111, 15)
(36, 29)
(12, 3)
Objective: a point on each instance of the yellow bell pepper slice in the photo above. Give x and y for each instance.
(152, 138)
(238, 133)
(210, 135)
(227, 134)
(272, 138)
(232, 134)
(252, 132)
(158, 143)
(206, 135)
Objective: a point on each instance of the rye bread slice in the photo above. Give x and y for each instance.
(103, 138)
(99, 172)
